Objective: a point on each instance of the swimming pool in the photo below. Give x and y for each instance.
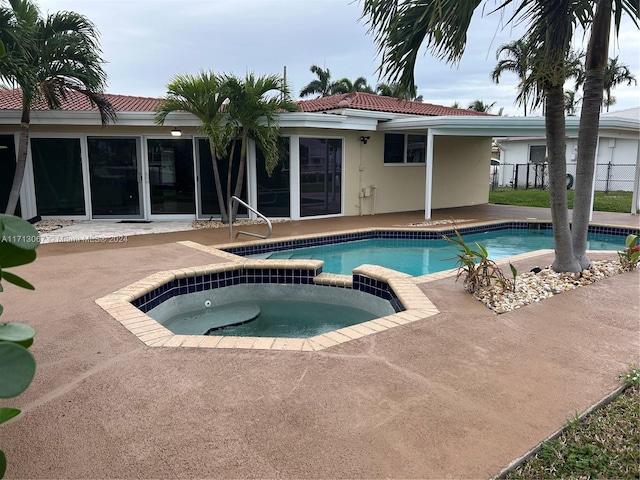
(423, 256)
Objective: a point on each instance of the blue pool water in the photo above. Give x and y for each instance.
(420, 257)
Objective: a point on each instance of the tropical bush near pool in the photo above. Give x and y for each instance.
(18, 242)
(485, 280)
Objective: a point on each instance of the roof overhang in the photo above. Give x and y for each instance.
(497, 126)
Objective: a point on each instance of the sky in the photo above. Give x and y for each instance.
(145, 42)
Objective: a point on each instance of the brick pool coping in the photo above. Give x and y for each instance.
(417, 305)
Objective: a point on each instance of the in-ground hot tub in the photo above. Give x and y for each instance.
(386, 298)
(269, 310)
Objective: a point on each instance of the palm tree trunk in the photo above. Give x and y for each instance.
(232, 155)
(240, 179)
(588, 131)
(21, 160)
(218, 183)
(556, 138)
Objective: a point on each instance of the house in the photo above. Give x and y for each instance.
(616, 160)
(344, 155)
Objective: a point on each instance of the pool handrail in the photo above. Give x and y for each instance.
(230, 213)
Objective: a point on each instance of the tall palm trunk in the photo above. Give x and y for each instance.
(218, 183)
(596, 62)
(232, 155)
(555, 125)
(240, 179)
(21, 160)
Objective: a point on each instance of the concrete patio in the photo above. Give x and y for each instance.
(458, 395)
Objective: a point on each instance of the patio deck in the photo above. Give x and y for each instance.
(460, 394)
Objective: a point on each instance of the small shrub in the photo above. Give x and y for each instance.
(630, 256)
(477, 270)
(632, 377)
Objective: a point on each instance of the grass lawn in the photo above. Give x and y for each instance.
(603, 445)
(603, 202)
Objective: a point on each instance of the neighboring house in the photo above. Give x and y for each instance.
(617, 154)
(348, 154)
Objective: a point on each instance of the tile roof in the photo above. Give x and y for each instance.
(379, 103)
(11, 100)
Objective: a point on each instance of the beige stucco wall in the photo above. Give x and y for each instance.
(398, 188)
(460, 173)
(461, 168)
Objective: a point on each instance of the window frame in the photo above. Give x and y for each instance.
(405, 149)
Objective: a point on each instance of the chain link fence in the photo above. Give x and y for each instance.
(609, 176)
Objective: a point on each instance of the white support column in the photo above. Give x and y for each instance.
(294, 176)
(252, 176)
(429, 176)
(595, 175)
(635, 199)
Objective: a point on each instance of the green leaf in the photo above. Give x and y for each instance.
(17, 368)
(7, 413)
(16, 280)
(17, 333)
(18, 232)
(12, 256)
(630, 241)
(3, 464)
(514, 270)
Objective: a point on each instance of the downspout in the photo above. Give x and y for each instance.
(428, 176)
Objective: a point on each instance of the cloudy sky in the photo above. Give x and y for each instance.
(145, 42)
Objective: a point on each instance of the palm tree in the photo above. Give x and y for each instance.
(203, 96)
(344, 85)
(322, 86)
(571, 102)
(394, 89)
(516, 60)
(401, 28)
(253, 112)
(48, 58)
(480, 106)
(616, 74)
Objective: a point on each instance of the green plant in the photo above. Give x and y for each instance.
(18, 241)
(632, 377)
(630, 256)
(477, 269)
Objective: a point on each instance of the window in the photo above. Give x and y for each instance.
(400, 148)
(537, 153)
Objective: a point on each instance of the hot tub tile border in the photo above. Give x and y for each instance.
(130, 304)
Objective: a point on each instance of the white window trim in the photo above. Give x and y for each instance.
(404, 153)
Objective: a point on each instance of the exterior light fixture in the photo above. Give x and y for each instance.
(364, 140)
(176, 132)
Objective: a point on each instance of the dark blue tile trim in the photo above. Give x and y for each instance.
(409, 235)
(378, 288)
(201, 283)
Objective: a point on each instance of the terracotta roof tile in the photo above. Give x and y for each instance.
(12, 100)
(379, 103)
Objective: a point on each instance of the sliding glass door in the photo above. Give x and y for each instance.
(320, 176)
(115, 177)
(171, 176)
(57, 175)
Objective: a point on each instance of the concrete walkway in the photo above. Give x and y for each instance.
(458, 395)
